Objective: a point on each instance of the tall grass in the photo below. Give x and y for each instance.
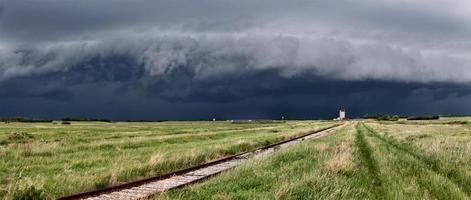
(455, 174)
(59, 160)
(368, 161)
(314, 169)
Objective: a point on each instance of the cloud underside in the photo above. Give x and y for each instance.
(419, 41)
(214, 55)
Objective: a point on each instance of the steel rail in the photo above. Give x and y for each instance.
(137, 183)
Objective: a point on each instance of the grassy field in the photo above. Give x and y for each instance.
(365, 160)
(58, 159)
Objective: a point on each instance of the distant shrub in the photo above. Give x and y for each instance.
(424, 117)
(17, 137)
(241, 122)
(144, 120)
(270, 121)
(65, 123)
(20, 137)
(261, 121)
(4, 142)
(23, 119)
(414, 137)
(30, 193)
(372, 116)
(86, 119)
(457, 122)
(388, 118)
(382, 117)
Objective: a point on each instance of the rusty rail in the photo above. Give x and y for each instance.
(132, 184)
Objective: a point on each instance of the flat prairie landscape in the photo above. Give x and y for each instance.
(275, 99)
(56, 159)
(367, 159)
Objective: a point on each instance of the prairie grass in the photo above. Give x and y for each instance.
(324, 168)
(372, 160)
(52, 160)
(364, 160)
(442, 153)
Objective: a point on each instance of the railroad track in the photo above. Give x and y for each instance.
(147, 188)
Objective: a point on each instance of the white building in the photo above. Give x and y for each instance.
(342, 114)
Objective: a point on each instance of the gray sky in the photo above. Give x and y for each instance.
(183, 50)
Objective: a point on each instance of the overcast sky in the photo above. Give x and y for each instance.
(186, 59)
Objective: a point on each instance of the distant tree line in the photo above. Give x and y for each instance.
(74, 119)
(424, 117)
(144, 120)
(388, 118)
(260, 121)
(382, 117)
(23, 119)
(397, 117)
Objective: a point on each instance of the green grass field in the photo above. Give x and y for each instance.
(58, 159)
(365, 160)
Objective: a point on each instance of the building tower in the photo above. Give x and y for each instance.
(342, 112)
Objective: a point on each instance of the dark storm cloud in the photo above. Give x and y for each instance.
(89, 15)
(212, 55)
(1, 11)
(264, 58)
(261, 95)
(34, 90)
(342, 39)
